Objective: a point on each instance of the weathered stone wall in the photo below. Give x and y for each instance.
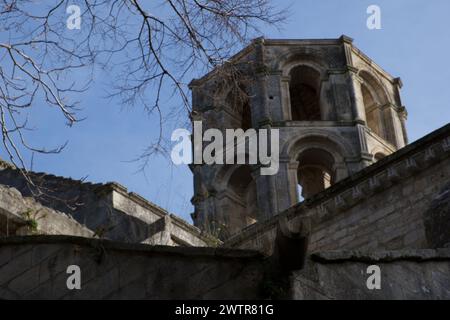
(161, 227)
(393, 219)
(404, 275)
(87, 203)
(35, 268)
(108, 210)
(21, 216)
(399, 202)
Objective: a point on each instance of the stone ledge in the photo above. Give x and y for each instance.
(14, 206)
(305, 42)
(308, 124)
(418, 255)
(373, 64)
(121, 246)
(183, 224)
(157, 210)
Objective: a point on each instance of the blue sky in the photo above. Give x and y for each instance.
(414, 44)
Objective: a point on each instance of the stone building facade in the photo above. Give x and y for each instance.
(336, 110)
(393, 214)
(370, 198)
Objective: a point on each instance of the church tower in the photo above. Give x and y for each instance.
(336, 110)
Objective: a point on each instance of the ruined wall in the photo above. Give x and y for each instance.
(160, 227)
(399, 202)
(22, 216)
(108, 210)
(404, 275)
(35, 268)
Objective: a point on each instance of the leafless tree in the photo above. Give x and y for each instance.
(153, 46)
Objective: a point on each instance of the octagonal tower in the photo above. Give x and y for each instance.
(336, 110)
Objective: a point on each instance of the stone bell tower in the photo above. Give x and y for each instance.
(337, 112)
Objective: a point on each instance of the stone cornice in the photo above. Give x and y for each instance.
(155, 209)
(374, 65)
(122, 246)
(418, 255)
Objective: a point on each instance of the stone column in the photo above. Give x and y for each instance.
(293, 181)
(258, 102)
(327, 109)
(342, 94)
(359, 111)
(403, 115)
(312, 181)
(341, 172)
(393, 126)
(260, 109)
(285, 98)
(366, 158)
(287, 184)
(354, 82)
(275, 96)
(266, 194)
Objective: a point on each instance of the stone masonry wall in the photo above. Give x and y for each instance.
(404, 275)
(392, 219)
(400, 202)
(108, 210)
(35, 268)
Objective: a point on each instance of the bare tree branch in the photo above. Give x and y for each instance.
(152, 46)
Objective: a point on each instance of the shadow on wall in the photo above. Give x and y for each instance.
(437, 222)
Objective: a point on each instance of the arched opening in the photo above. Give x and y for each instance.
(244, 204)
(379, 116)
(246, 116)
(373, 112)
(304, 91)
(300, 193)
(237, 99)
(315, 172)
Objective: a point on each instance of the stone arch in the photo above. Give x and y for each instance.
(340, 147)
(321, 156)
(309, 63)
(221, 175)
(295, 57)
(237, 100)
(302, 76)
(316, 171)
(375, 86)
(375, 99)
(238, 103)
(304, 93)
(232, 106)
(236, 196)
